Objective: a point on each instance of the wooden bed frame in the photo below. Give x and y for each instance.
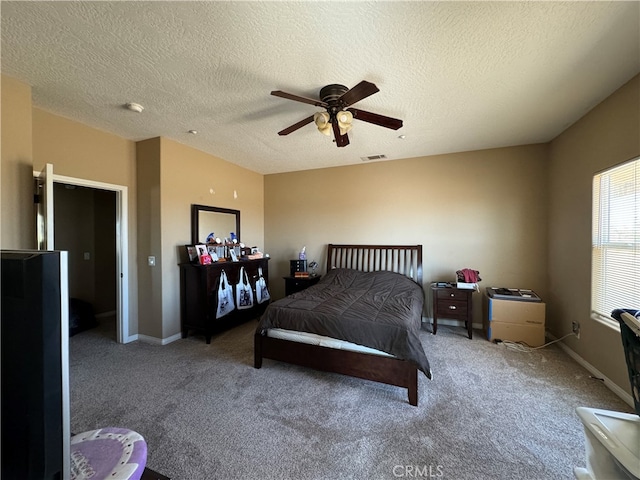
(404, 259)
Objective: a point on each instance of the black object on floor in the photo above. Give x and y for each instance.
(149, 474)
(81, 316)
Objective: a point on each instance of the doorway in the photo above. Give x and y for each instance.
(94, 219)
(85, 220)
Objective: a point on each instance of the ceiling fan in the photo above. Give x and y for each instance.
(337, 118)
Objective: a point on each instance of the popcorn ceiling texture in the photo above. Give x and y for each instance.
(461, 75)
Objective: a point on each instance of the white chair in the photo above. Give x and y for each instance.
(612, 442)
(612, 439)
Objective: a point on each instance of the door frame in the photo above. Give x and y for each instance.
(122, 247)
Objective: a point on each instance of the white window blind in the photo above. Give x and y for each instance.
(615, 266)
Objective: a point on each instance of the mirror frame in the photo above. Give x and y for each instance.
(195, 212)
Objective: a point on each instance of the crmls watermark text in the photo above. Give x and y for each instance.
(418, 471)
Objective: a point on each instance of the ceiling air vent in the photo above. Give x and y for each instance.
(373, 157)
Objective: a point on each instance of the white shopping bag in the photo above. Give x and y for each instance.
(262, 292)
(244, 292)
(225, 297)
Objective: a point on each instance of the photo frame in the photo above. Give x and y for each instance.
(203, 255)
(213, 252)
(233, 255)
(192, 253)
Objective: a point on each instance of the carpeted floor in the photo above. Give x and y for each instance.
(206, 413)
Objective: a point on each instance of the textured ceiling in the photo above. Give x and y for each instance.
(462, 75)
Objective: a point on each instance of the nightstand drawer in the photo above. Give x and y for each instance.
(452, 308)
(297, 284)
(452, 294)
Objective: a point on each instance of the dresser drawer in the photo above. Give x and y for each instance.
(452, 308)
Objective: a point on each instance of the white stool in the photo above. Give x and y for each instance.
(612, 445)
(114, 453)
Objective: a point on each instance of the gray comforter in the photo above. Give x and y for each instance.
(381, 310)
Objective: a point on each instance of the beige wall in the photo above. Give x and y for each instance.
(606, 136)
(149, 240)
(484, 210)
(18, 221)
(172, 177)
(189, 176)
(79, 151)
(82, 152)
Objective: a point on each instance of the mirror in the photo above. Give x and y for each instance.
(220, 221)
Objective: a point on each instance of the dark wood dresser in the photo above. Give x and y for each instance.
(199, 295)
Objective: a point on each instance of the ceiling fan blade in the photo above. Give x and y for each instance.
(341, 140)
(296, 126)
(376, 119)
(357, 93)
(297, 98)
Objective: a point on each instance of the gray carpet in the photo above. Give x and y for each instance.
(206, 413)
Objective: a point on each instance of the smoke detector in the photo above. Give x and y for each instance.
(135, 107)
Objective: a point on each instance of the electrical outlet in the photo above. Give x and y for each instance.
(575, 326)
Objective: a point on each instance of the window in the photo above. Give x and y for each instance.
(615, 264)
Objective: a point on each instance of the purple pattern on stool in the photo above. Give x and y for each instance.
(115, 453)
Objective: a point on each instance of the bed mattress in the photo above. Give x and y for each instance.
(322, 341)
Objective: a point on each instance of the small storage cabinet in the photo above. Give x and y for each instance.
(514, 320)
(199, 295)
(452, 303)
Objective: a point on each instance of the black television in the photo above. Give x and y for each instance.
(35, 365)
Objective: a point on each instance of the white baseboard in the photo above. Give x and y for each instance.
(159, 341)
(596, 373)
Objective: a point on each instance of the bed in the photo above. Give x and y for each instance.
(361, 319)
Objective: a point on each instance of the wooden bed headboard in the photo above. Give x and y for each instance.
(404, 259)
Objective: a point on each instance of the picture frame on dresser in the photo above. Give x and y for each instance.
(213, 251)
(203, 255)
(192, 253)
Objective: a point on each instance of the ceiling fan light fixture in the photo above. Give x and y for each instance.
(345, 120)
(322, 121)
(325, 130)
(337, 120)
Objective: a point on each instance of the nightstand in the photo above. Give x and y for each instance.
(297, 284)
(452, 303)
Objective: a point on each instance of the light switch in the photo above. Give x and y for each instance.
(87, 256)
(152, 261)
